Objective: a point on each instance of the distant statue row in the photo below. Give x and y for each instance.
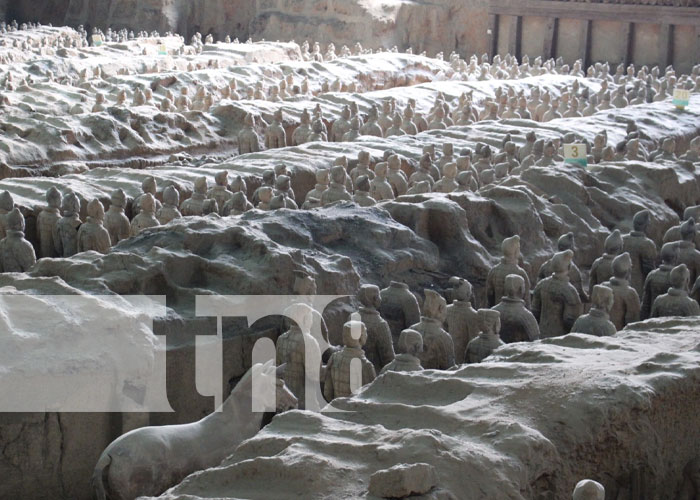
(539, 106)
(363, 184)
(667, 3)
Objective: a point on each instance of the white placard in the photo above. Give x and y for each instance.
(681, 98)
(575, 153)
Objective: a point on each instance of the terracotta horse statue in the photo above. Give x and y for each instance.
(149, 460)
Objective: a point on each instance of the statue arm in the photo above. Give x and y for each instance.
(536, 303)
(490, 290)
(528, 290)
(695, 291)
(654, 309)
(105, 242)
(134, 228)
(668, 236)
(312, 359)
(368, 373)
(694, 308)
(648, 260)
(632, 312)
(572, 309)
(448, 354)
(386, 345)
(541, 273)
(27, 257)
(411, 311)
(592, 281)
(645, 306)
(577, 281)
(324, 329)
(81, 245)
(279, 359)
(532, 328)
(578, 324)
(57, 241)
(328, 391)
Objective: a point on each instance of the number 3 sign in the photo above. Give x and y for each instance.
(575, 153)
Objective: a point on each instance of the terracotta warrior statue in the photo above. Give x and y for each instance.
(169, 210)
(508, 265)
(517, 322)
(236, 205)
(341, 126)
(379, 347)
(461, 318)
(303, 131)
(642, 250)
(601, 270)
(6, 206)
(566, 242)
(16, 253)
(299, 350)
(148, 185)
(341, 380)
(555, 302)
(488, 340)
(380, 189)
(322, 181)
(674, 233)
(687, 252)
(268, 180)
(283, 186)
(265, 195)
(676, 302)
(438, 348)
(363, 167)
(409, 349)
(448, 183)
(116, 222)
(658, 281)
(67, 226)
(626, 306)
(248, 138)
(46, 224)
(399, 307)
(92, 235)
(362, 194)
(220, 191)
(146, 217)
(337, 190)
(424, 172)
(304, 287)
(396, 177)
(597, 321)
(194, 205)
(275, 135)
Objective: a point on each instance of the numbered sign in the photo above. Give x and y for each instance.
(575, 153)
(681, 98)
(97, 40)
(162, 50)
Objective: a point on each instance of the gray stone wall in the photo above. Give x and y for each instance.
(441, 25)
